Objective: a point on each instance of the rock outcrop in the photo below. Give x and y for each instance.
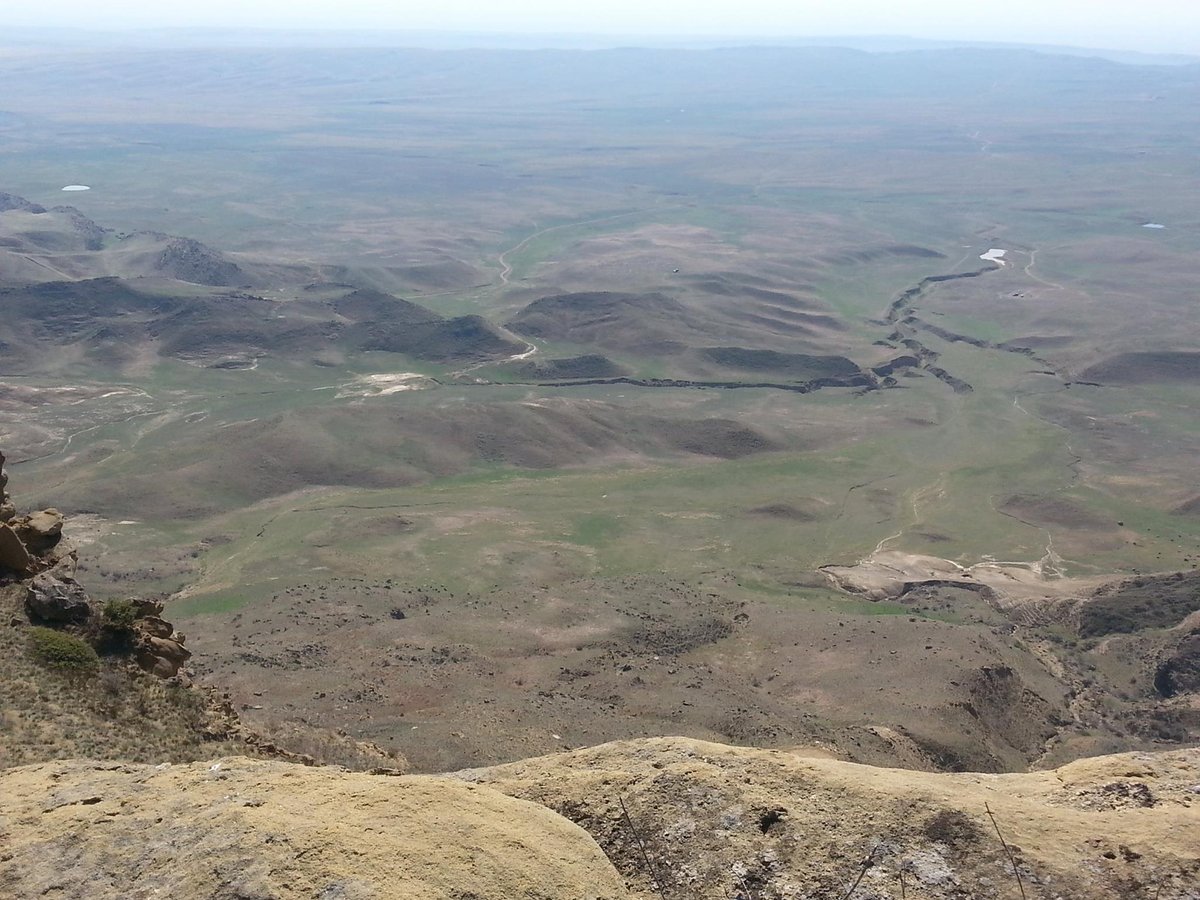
(158, 647)
(252, 829)
(708, 820)
(14, 557)
(31, 543)
(32, 548)
(678, 818)
(40, 532)
(57, 600)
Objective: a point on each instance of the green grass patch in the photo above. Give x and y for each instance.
(63, 652)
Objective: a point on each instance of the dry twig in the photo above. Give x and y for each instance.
(659, 886)
(1007, 851)
(867, 865)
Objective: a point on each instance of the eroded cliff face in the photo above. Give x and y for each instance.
(710, 820)
(242, 828)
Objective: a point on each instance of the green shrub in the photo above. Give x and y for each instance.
(116, 634)
(120, 614)
(62, 651)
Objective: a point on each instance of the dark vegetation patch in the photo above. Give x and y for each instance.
(592, 365)
(603, 317)
(934, 537)
(798, 366)
(368, 305)
(187, 260)
(784, 511)
(1179, 673)
(1190, 507)
(1053, 510)
(1146, 367)
(1151, 601)
(113, 322)
(78, 300)
(721, 438)
(460, 339)
(1172, 723)
(383, 322)
(871, 254)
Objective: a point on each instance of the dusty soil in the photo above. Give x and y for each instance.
(888, 574)
(452, 680)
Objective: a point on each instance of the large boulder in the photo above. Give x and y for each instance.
(14, 557)
(54, 599)
(40, 532)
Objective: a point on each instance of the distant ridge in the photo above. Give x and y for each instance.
(513, 40)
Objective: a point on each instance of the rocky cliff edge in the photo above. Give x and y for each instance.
(242, 828)
(678, 818)
(684, 818)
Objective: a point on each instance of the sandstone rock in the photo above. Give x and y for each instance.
(161, 656)
(39, 531)
(246, 828)
(148, 608)
(158, 648)
(57, 600)
(722, 821)
(13, 555)
(154, 626)
(30, 543)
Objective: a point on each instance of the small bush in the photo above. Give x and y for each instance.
(120, 614)
(62, 651)
(116, 634)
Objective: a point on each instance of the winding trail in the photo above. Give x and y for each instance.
(530, 349)
(1039, 279)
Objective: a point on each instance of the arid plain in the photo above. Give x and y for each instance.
(485, 404)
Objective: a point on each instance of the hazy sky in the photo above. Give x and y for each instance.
(1155, 25)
